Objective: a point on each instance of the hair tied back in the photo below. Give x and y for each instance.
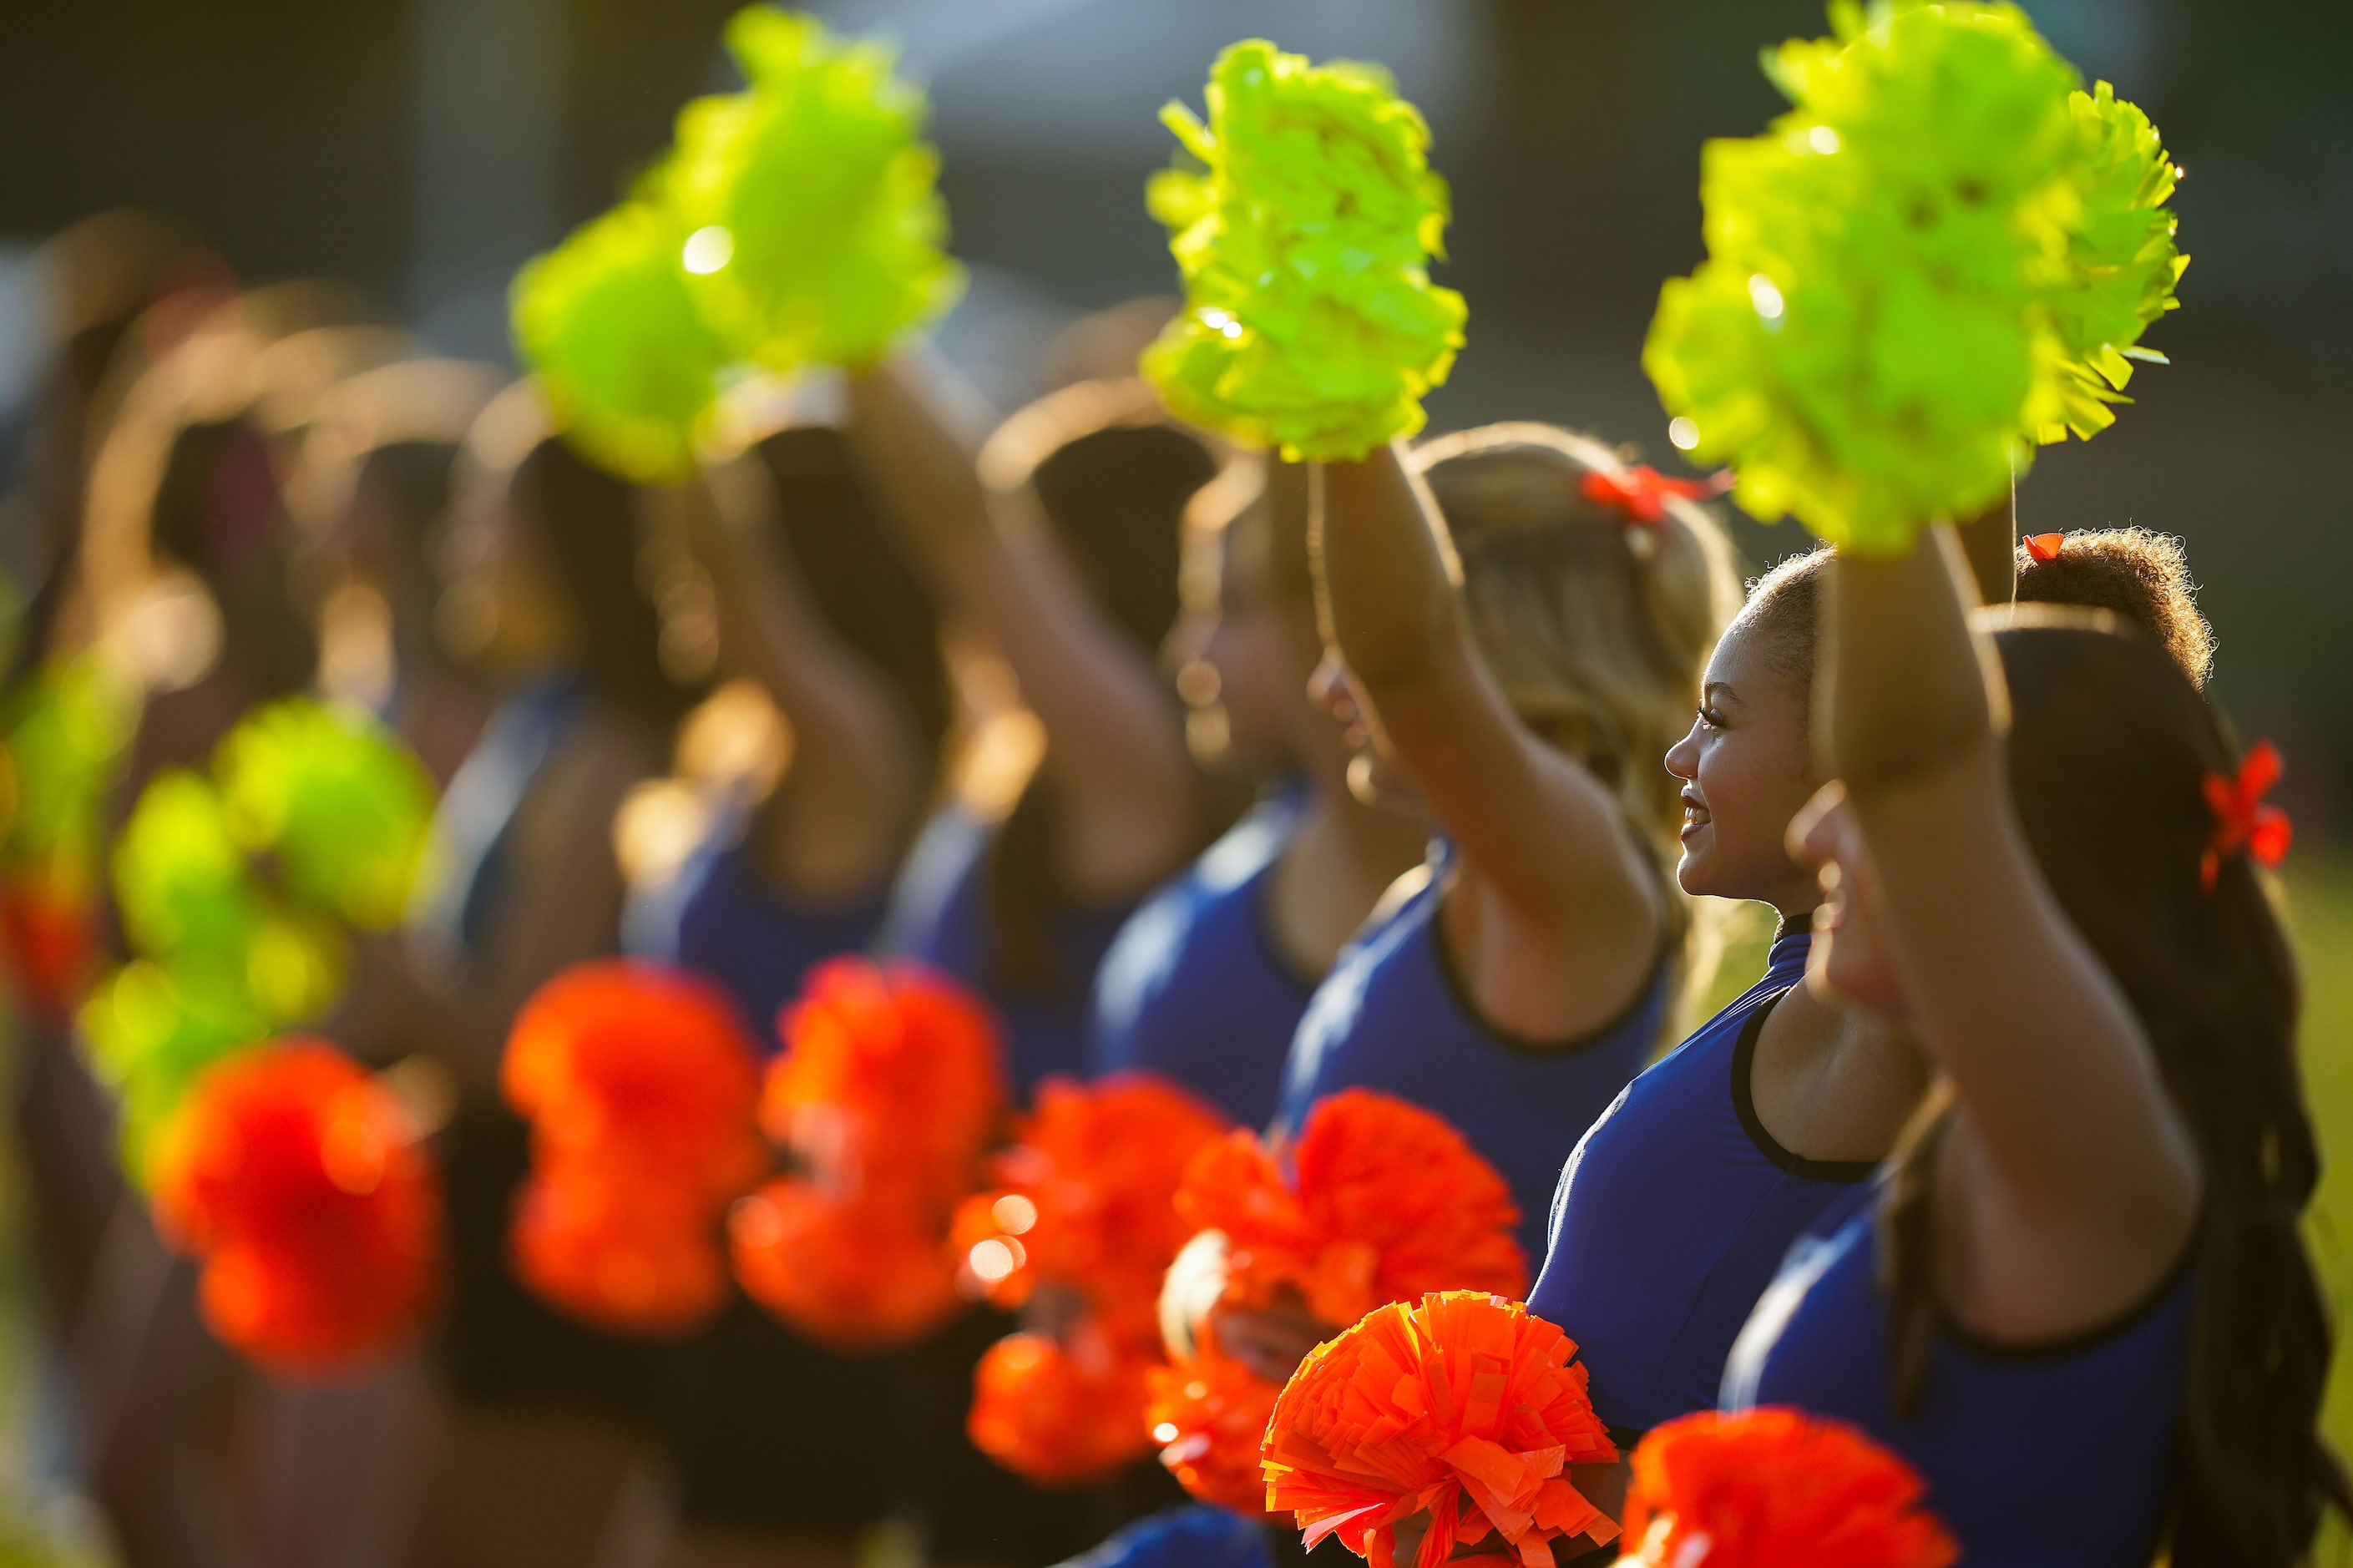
(2241, 822)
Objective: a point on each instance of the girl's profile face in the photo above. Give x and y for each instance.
(1746, 772)
(1373, 775)
(1230, 657)
(1850, 965)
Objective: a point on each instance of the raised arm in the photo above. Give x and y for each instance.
(2079, 1174)
(1116, 746)
(857, 781)
(1535, 826)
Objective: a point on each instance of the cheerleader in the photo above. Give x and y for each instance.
(1066, 561)
(545, 1444)
(1782, 1104)
(817, 604)
(1060, 545)
(2080, 1304)
(1207, 983)
(1505, 674)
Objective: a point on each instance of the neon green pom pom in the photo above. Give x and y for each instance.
(1871, 341)
(344, 805)
(628, 367)
(150, 1028)
(67, 731)
(2122, 257)
(181, 881)
(812, 221)
(1310, 324)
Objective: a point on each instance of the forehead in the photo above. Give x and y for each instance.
(1739, 657)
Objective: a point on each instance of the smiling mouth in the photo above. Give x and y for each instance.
(1696, 816)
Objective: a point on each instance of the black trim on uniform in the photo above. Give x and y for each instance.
(2082, 1340)
(1460, 989)
(1744, 1060)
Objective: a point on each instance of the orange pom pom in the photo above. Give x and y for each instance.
(856, 1276)
(300, 1181)
(1462, 1406)
(1209, 1415)
(49, 940)
(1388, 1203)
(1084, 1195)
(1777, 1488)
(639, 1085)
(1060, 1412)
(1083, 1210)
(638, 1068)
(891, 1085)
(892, 1077)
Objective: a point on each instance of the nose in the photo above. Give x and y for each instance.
(1813, 835)
(1328, 686)
(1682, 757)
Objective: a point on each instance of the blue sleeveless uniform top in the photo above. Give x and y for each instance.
(1395, 1016)
(1193, 988)
(939, 916)
(477, 813)
(716, 915)
(1674, 1212)
(2036, 1457)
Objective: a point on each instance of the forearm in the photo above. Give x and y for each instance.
(1290, 508)
(1910, 688)
(1385, 571)
(921, 464)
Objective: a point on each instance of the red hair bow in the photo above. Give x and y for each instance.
(2045, 546)
(1641, 492)
(2241, 822)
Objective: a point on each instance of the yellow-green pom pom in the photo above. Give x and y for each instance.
(628, 367)
(1869, 341)
(814, 228)
(2122, 259)
(1310, 324)
(336, 798)
(181, 882)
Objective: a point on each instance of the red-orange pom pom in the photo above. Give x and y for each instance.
(1209, 1416)
(1387, 1202)
(639, 1085)
(891, 1085)
(1084, 1210)
(1060, 1411)
(49, 940)
(856, 1276)
(300, 1181)
(891, 1079)
(1777, 1488)
(1461, 1406)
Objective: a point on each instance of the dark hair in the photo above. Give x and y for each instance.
(1784, 610)
(1115, 498)
(2141, 576)
(410, 483)
(217, 511)
(858, 575)
(582, 524)
(2108, 742)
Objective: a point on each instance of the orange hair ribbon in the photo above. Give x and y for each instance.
(1641, 492)
(2045, 546)
(2241, 822)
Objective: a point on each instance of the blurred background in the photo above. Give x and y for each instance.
(422, 149)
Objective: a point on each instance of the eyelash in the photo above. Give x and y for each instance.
(1710, 717)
